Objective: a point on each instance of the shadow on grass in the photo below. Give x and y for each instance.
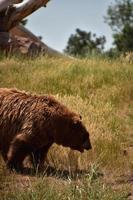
(50, 171)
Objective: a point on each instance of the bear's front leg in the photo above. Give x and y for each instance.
(39, 157)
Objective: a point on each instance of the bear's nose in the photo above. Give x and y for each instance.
(87, 145)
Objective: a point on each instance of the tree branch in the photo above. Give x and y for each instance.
(24, 9)
(16, 12)
(5, 3)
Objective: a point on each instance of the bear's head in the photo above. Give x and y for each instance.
(72, 133)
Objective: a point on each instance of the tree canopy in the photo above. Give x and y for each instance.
(120, 14)
(83, 43)
(120, 19)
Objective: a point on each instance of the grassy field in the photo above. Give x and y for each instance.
(101, 90)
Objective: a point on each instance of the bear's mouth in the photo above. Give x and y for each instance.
(87, 145)
(80, 149)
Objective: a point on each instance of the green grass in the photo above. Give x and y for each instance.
(71, 191)
(101, 90)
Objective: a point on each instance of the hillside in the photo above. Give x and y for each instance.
(101, 90)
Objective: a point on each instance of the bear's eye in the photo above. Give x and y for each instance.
(76, 125)
(80, 117)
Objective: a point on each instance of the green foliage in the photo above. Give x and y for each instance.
(85, 188)
(124, 40)
(120, 15)
(120, 19)
(83, 43)
(112, 53)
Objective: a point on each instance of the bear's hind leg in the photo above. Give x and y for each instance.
(17, 152)
(4, 156)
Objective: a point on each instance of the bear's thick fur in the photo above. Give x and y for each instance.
(32, 123)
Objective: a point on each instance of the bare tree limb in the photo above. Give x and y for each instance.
(4, 4)
(11, 13)
(16, 12)
(27, 7)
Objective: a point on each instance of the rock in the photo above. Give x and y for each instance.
(21, 40)
(15, 44)
(26, 46)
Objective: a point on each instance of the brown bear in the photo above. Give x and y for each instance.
(32, 123)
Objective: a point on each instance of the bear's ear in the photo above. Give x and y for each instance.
(77, 118)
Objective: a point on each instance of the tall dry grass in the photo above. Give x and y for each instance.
(101, 90)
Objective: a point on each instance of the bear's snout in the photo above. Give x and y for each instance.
(87, 145)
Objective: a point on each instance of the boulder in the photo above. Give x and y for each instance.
(21, 41)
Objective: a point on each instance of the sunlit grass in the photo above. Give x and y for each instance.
(101, 90)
